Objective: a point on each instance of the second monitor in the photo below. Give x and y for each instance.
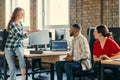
(59, 45)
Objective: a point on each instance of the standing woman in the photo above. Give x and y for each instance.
(14, 44)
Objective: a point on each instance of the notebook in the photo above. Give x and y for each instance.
(59, 45)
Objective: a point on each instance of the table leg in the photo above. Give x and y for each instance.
(102, 72)
(52, 71)
(98, 67)
(33, 63)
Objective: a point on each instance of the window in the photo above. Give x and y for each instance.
(59, 12)
(52, 12)
(12, 4)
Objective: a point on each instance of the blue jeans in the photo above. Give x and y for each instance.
(10, 57)
(67, 67)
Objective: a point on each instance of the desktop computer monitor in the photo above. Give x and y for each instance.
(59, 34)
(39, 38)
(59, 45)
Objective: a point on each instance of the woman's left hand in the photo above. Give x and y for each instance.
(30, 31)
(105, 57)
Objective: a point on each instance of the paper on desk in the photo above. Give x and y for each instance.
(116, 59)
(26, 51)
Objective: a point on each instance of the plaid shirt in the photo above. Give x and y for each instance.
(15, 37)
(80, 50)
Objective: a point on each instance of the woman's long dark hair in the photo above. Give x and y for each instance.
(103, 29)
(14, 16)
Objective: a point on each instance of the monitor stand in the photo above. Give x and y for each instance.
(36, 51)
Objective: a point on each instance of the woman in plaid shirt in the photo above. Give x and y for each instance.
(14, 43)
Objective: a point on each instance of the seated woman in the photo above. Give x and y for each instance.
(105, 48)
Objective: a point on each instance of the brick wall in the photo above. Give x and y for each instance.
(111, 12)
(89, 13)
(33, 13)
(2, 14)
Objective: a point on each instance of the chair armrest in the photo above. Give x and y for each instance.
(83, 59)
(92, 62)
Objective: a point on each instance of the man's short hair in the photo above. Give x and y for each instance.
(76, 26)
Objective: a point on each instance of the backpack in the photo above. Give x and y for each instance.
(3, 39)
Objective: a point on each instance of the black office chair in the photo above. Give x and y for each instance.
(116, 34)
(85, 74)
(91, 73)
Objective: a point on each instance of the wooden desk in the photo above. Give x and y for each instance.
(47, 56)
(108, 63)
(50, 55)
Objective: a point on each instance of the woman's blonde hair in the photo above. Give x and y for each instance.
(14, 16)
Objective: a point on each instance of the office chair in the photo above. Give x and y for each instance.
(84, 74)
(116, 34)
(89, 74)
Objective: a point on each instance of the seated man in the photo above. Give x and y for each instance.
(80, 50)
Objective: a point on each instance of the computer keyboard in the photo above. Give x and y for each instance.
(35, 52)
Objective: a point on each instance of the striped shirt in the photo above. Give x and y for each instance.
(80, 50)
(15, 36)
